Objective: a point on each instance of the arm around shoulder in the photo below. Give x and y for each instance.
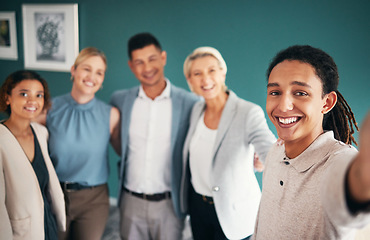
(115, 129)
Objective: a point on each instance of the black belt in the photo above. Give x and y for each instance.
(73, 186)
(206, 199)
(150, 197)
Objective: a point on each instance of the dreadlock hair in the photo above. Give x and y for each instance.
(340, 119)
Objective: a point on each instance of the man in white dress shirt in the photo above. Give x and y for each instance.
(154, 123)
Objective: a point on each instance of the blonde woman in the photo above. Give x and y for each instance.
(81, 127)
(219, 187)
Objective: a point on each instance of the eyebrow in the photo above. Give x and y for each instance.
(272, 85)
(27, 90)
(303, 84)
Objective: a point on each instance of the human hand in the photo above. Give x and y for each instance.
(258, 165)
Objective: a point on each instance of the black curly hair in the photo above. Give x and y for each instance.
(16, 77)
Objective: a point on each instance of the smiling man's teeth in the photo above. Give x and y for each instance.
(288, 120)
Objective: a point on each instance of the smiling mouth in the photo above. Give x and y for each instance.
(288, 121)
(150, 75)
(31, 109)
(206, 88)
(89, 84)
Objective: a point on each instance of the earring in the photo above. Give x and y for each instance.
(101, 87)
(71, 78)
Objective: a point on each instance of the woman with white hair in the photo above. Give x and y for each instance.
(219, 188)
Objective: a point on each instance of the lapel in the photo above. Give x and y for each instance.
(13, 141)
(176, 113)
(226, 118)
(197, 111)
(126, 110)
(18, 152)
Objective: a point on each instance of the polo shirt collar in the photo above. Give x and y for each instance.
(315, 153)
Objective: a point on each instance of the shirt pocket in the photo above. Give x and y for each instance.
(20, 227)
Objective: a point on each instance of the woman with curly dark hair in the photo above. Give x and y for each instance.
(31, 199)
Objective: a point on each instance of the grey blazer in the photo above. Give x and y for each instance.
(182, 103)
(241, 132)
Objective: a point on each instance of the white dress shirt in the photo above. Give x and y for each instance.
(201, 156)
(148, 165)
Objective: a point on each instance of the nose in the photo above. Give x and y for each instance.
(147, 67)
(31, 99)
(286, 103)
(205, 77)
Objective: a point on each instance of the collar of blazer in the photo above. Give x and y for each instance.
(225, 121)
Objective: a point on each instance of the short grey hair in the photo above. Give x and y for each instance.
(203, 52)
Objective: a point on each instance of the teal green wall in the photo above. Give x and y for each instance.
(248, 34)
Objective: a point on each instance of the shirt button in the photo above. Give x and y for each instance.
(281, 183)
(216, 189)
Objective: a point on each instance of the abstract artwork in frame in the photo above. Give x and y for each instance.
(8, 36)
(50, 36)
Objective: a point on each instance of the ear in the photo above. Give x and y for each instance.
(189, 83)
(130, 64)
(7, 99)
(330, 101)
(73, 69)
(164, 57)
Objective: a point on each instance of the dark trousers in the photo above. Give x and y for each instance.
(203, 218)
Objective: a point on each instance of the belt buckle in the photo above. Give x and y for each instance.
(65, 184)
(206, 200)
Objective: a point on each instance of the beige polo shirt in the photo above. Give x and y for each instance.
(304, 197)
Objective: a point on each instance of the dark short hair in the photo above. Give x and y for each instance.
(141, 40)
(16, 77)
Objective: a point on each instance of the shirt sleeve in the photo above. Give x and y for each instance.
(5, 227)
(333, 192)
(258, 132)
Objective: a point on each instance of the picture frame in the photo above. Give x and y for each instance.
(8, 36)
(50, 36)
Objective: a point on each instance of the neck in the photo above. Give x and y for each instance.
(295, 148)
(18, 127)
(217, 104)
(81, 98)
(154, 91)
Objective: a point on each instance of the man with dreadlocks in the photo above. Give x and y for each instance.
(315, 185)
